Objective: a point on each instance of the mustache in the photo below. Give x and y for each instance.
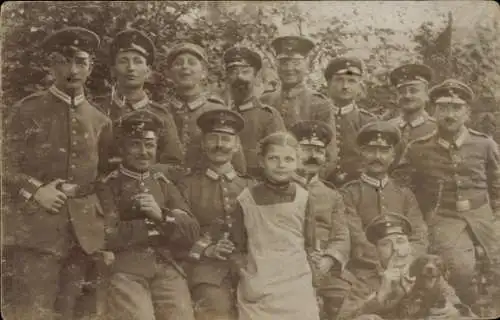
(240, 84)
(312, 161)
(376, 162)
(219, 149)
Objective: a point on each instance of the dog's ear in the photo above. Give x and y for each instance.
(417, 265)
(441, 265)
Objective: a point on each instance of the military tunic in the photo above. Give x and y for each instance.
(301, 103)
(185, 116)
(49, 138)
(260, 121)
(367, 198)
(212, 198)
(348, 121)
(146, 281)
(419, 127)
(327, 226)
(169, 150)
(457, 186)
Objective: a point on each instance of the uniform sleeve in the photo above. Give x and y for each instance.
(360, 245)
(105, 146)
(276, 122)
(18, 128)
(323, 113)
(238, 230)
(170, 145)
(403, 171)
(493, 176)
(339, 241)
(175, 199)
(419, 237)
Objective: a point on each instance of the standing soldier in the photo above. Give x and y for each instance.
(187, 63)
(376, 194)
(455, 173)
(344, 76)
(211, 194)
(55, 146)
(327, 230)
(295, 101)
(242, 66)
(132, 56)
(146, 218)
(412, 85)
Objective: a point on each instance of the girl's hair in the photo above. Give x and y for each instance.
(280, 138)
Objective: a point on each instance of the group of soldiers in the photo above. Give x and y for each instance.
(127, 208)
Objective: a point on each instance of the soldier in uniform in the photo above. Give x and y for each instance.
(344, 76)
(132, 55)
(56, 144)
(295, 101)
(455, 174)
(187, 63)
(146, 220)
(388, 292)
(242, 66)
(211, 194)
(327, 229)
(375, 194)
(412, 86)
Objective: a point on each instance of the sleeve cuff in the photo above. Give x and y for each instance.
(199, 247)
(337, 256)
(29, 188)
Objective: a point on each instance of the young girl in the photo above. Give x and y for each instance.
(275, 280)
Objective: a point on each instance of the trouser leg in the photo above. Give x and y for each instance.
(34, 284)
(170, 294)
(214, 302)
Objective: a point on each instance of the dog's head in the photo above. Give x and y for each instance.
(428, 269)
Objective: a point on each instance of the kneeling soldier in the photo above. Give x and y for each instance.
(146, 217)
(327, 232)
(211, 194)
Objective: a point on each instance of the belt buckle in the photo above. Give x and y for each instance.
(462, 205)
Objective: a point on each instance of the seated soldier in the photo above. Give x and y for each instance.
(390, 293)
(146, 217)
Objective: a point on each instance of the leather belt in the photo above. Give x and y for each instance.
(465, 204)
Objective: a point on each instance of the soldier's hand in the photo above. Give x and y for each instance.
(146, 203)
(325, 264)
(220, 250)
(49, 198)
(390, 288)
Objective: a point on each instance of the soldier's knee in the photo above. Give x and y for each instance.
(212, 301)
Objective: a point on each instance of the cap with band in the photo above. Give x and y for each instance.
(141, 124)
(186, 47)
(409, 74)
(316, 133)
(387, 224)
(220, 120)
(133, 40)
(378, 133)
(292, 47)
(344, 65)
(242, 56)
(451, 91)
(68, 41)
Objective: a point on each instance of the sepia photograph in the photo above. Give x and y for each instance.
(250, 160)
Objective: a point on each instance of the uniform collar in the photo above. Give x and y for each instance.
(66, 98)
(121, 102)
(376, 183)
(247, 105)
(226, 171)
(192, 105)
(303, 180)
(345, 110)
(295, 91)
(134, 175)
(418, 121)
(464, 134)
